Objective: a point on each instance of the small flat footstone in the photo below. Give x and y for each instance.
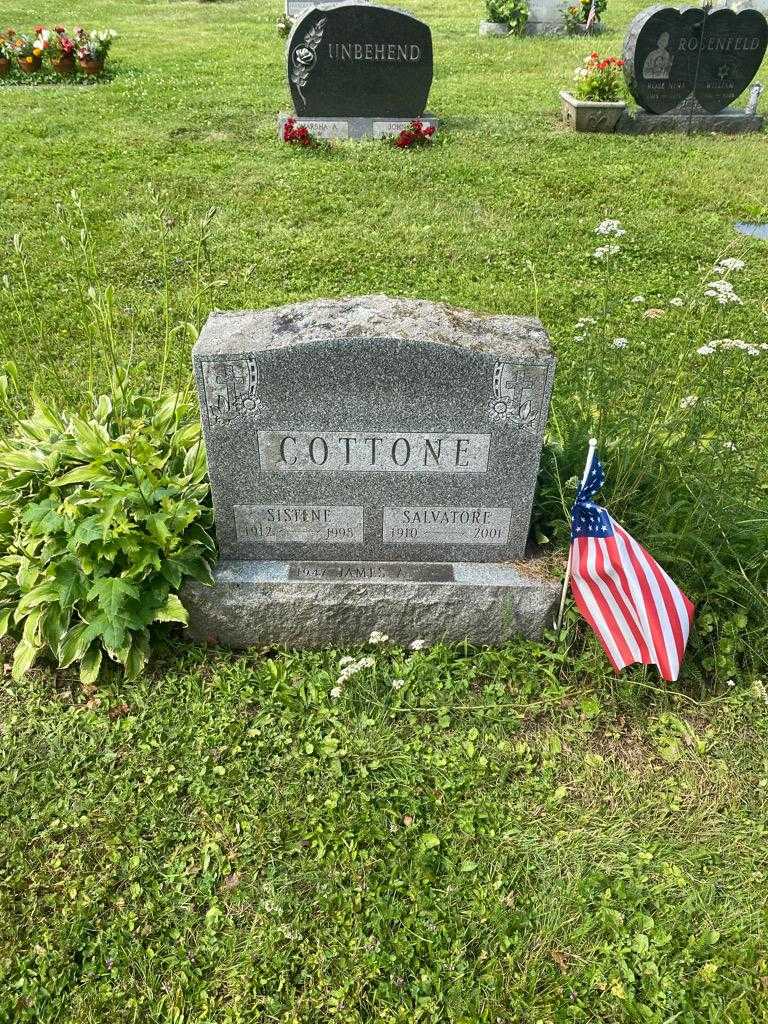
(320, 604)
(343, 128)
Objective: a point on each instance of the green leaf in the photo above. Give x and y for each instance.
(23, 659)
(172, 611)
(429, 841)
(90, 664)
(5, 618)
(74, 644)
(82, 475)
(71, 583)
(41, 594)
(137, 655)
(90, 529)
(112, 593)
(113, 635)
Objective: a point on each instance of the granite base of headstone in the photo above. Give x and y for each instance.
(355, 128)
(373, 464)
(358, 70)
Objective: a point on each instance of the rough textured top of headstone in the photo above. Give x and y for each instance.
(371, 317)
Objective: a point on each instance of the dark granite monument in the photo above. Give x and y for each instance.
(373, 464)
(358, 70)
(685, 66)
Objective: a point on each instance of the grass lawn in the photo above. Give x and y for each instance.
(508, 836)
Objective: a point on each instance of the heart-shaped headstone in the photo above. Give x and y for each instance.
(669, 51)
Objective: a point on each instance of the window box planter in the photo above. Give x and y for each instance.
(494, 28)
(589, 115)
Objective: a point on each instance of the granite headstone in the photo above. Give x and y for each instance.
(358, 69)
(376, 451)
(672, 55)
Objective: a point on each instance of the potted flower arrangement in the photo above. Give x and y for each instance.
(598, 104)
(93, 47)
(61, 51)
(577, 17)
(29, 51)
(6, 51)
(504, 17)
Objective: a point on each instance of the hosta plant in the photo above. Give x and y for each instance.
(103, 515)
(508, 12)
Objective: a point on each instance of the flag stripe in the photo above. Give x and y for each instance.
(589, 608)
(659, 634)
(616, 580)
(612, 613)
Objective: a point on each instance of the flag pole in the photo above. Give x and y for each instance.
(567, 580)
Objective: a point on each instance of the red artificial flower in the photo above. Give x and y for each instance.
(39, 29)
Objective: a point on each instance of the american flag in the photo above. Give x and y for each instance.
(592, 16)
(636, 610)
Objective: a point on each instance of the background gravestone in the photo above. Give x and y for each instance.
(358, 69)
(679, 62)
(297, 8)
(388, 441)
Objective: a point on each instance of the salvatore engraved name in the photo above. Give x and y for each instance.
(283, 451)
(402, 52)
(440, 524)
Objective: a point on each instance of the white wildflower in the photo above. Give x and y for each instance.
(620, 342)
(729, 263)
(610, 227)
(729, 446)
(705, 350)
(722, 291)
(336, 692)
(689, 401)
(730, 682)
(377, 638)
(397, 684)
(346, 660)
(603, 252)
(417, 645)
(677, 301)
(366, 663)
(637, 298)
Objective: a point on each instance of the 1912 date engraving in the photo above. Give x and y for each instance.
(292, 451)
(444, 524)
(302, 524)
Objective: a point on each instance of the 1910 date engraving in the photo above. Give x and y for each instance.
(444, 524)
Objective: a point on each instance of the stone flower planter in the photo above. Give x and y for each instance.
(494, 28)
(590, 116)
